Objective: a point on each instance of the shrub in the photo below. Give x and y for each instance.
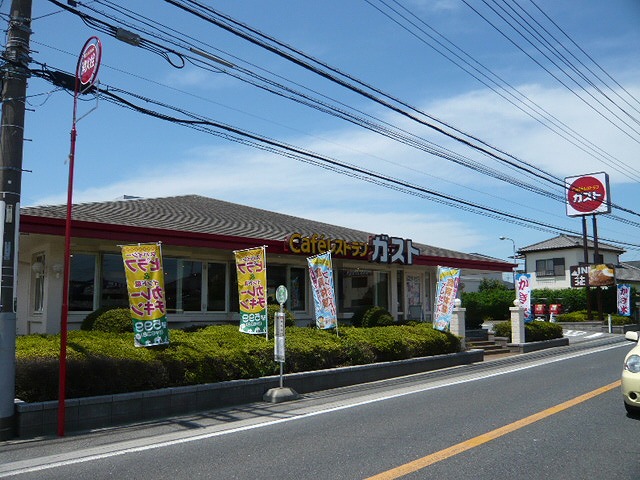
(117, 320)
(377, 317)
(106, 363)
(581, 316)
(491, 304)
(533, 331)
(89, 320)
(289, 318)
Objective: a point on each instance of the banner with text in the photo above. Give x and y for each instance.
(624, 300)
(251, 268)
(321, 275)
(145, 284)
(446, 291)
(523, 286)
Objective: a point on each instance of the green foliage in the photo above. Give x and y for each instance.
(533, 331)
(89, 320)
(117, 320)
(492, 304)
(289, 318)
(581, 316)
(107, 363)
(377, 317)
(491, 284)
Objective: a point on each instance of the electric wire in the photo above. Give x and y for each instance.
(443, 156)
(239, 135)
(456, 55)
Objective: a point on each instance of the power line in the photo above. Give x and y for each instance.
(239, 135)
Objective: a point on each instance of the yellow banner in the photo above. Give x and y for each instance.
(145, 284)
(252, 290)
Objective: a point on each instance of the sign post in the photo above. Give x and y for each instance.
(281, 394)
(588, 195)
(86, 75)
(278, 346)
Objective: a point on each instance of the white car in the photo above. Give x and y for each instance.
(631, 376)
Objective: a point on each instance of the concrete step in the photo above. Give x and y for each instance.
(489, 347)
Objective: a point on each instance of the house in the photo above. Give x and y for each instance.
(549, 262)
(198, 237)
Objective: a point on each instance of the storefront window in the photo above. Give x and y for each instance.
(216, 287)
(183, 285)
(297, 289)
(113, 292)
(382, 290)
(82, 281)
(38, 268)
(276, 276)
(356, 289)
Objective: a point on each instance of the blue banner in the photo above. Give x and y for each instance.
(321, 275)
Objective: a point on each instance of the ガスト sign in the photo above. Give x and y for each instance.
(588, 194)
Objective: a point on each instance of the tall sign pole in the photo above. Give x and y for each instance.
(86, 75)
(589, 195)
(14, 90)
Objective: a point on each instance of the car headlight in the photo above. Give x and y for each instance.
(632, 363)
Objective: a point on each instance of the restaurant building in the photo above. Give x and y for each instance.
(198, 237)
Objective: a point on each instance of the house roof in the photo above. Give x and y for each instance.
(628, 272)
(565, 242)
(193, 220)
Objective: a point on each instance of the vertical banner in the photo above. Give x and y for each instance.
(145, 284)
(251, 267)
(523, 291)
(321, 274)
(624, 300)
(446, 291)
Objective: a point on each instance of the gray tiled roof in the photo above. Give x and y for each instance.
(628, 272)
(566, 241)
(194, 213)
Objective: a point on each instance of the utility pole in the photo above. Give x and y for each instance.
(14, 89)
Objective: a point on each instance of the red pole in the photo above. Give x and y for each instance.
(62, 382)
(86, 73)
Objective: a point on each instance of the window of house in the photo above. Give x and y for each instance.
(550, 267)
(82, 281)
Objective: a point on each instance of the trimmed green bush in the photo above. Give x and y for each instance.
(377, 317)
(117, 320)
(102, 363)
(581, 316)
(89, 320)
(533, 331)
(289, 318)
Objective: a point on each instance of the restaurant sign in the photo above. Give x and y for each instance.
(379, 248)
(601, 275)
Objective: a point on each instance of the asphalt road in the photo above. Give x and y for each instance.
(555, 414)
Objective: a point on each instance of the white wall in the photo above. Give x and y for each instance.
(572, 257)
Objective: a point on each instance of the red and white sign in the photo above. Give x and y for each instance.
(89, 62)
(587, 194)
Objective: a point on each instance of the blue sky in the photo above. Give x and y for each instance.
(121, 152)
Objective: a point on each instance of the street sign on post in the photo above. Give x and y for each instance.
(588, 194)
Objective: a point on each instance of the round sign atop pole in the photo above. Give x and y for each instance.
(588, 194)
(89, 62)
(282, 294)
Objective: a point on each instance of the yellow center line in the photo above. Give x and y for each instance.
(423, 462)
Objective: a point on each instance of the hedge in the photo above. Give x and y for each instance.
(102, 363)
(533, 331)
